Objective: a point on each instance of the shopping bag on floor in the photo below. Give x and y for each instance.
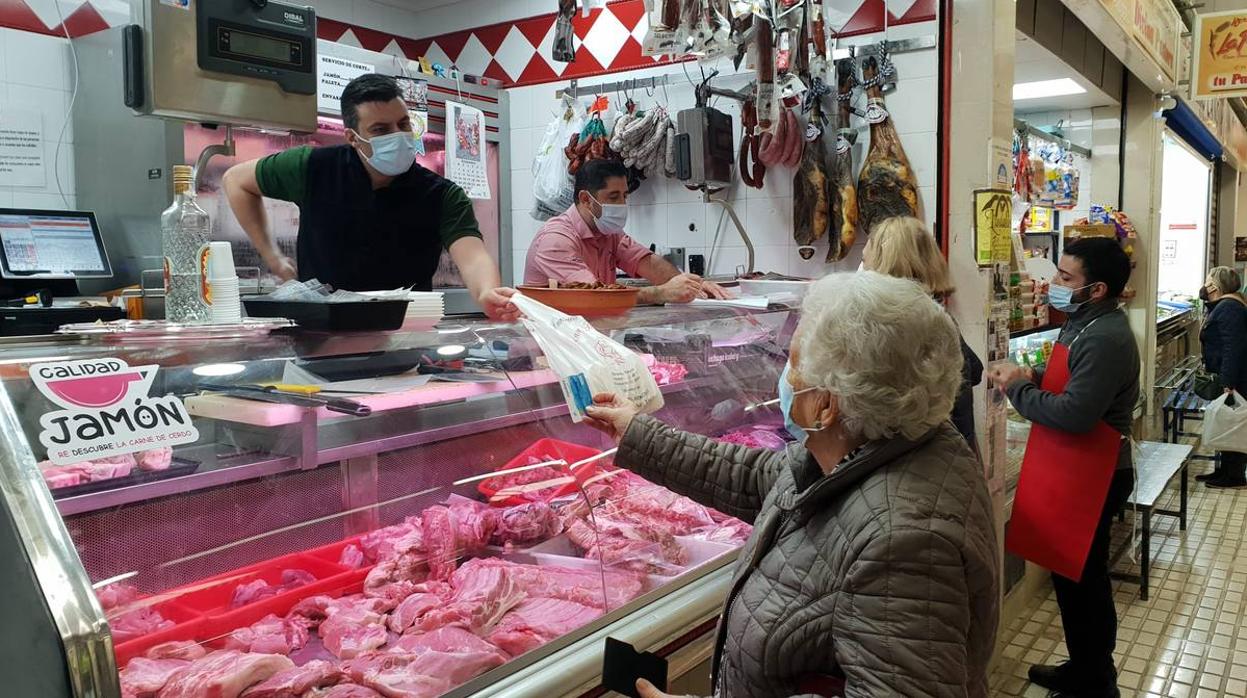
(586, 361)
(1225, 423)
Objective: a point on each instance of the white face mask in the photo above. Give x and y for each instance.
(613, 219)
(392, 154)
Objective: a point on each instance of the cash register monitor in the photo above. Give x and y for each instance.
(41, 244)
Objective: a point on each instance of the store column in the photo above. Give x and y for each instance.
(980, 128)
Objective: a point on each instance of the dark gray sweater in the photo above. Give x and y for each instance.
(1103, 382)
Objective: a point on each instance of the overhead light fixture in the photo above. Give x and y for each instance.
(451, 350)
(218, 370)
(1046, 88)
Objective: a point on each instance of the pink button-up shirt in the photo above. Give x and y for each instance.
(568, 251)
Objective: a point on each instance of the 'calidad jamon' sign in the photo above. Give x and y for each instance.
(105, 410)
(1219, 68)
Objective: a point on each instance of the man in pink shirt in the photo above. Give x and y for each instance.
(586, 243)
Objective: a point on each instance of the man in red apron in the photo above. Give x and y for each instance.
(1077, 473)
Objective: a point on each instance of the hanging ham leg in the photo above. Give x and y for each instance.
(886, 187)
(844, 211)
(811, 211)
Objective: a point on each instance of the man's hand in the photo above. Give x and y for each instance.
(282, 267)
(496, 302)
(611, 415)
(1005, 374)
(682, 288)
(647, 690)
(710, 289)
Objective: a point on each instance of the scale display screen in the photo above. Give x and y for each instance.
(243, 44)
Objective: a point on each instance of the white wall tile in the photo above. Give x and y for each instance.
(687, 225)
(35, 59)
(912, 106)
(521, 189)
(769, 221)
(52, 104)
(647, 224)
(523, 229)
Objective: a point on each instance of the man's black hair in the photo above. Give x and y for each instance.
(1103, 261)
(592, 175)
(366, 88)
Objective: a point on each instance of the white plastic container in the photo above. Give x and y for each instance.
(763, 287)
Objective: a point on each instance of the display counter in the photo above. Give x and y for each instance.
(302, 544)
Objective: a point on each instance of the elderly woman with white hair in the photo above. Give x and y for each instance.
(872, 569)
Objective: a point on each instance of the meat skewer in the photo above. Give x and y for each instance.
(886, 187)
(844, 213)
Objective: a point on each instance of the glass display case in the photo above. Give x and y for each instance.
(303, 546)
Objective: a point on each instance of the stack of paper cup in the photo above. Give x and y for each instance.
(220, 283)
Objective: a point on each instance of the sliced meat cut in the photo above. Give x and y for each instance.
(143, 677)
(393, 676)
(269, 635)
(346, 690)
(482, 594)
(351, 558)
(412, 609)
(460, 528)
(177, 649)
(582, 586)
(313, 610)
(538, 621)
(448, 639)
(224, 674)
(135, 624)
(354, 625)
(293, 683)
(526, 523)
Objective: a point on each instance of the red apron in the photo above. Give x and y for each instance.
(1062, 488)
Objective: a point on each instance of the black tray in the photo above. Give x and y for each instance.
(362, 316)
(179, 467)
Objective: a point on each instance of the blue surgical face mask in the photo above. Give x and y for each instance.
(1062, 298)
(393, 153)
(786, 396)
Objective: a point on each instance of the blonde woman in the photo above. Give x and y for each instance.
(904, 248)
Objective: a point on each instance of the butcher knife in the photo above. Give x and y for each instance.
(259, 394)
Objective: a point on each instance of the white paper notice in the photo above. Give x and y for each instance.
(335, 75)
(465, 149)
(21, 149)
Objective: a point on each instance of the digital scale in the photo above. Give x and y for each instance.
(248, 63)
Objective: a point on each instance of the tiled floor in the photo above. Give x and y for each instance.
(1190, 638)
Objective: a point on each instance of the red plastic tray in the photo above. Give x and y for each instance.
(545, 449)
(212, 600)
(188, 625)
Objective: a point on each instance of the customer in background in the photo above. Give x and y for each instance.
(1224, 339)
(872, 567)
(903, 247)
(1092, 377)
(587, 243)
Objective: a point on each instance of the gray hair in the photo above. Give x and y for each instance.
(1226, 279)
(885, 349)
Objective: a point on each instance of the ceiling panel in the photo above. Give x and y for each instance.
(1033, 62)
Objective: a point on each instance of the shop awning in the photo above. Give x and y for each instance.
(1183, 121)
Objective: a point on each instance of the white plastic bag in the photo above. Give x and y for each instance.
(1225, 425)
(586, 361)
(553, 188)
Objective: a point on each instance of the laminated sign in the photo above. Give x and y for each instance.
(105, 410)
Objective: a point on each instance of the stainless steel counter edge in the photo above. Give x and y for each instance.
(71, 600)
(578, 667)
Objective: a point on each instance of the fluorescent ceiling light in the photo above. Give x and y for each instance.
(1046, 88)
(218, 370)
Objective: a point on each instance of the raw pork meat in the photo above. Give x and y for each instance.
(382, 543)
(311, 610)
(395, 578)
(354, 626)
(538, 621)
(757, 437)
(636, 547)
(258, 589)
(156, 459)
(293, 683)
(482, 594)
(424, 598)
(177, 649)
(394, 676)
(352, 557)
(115, 595)
(462, 527)
(451, 638)
(224, 674)
(552, 582)
(136, 624)
(143, 677)
(345, 690)
(665, 373)
(526, 523)
(529, 485)
(269, 635)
